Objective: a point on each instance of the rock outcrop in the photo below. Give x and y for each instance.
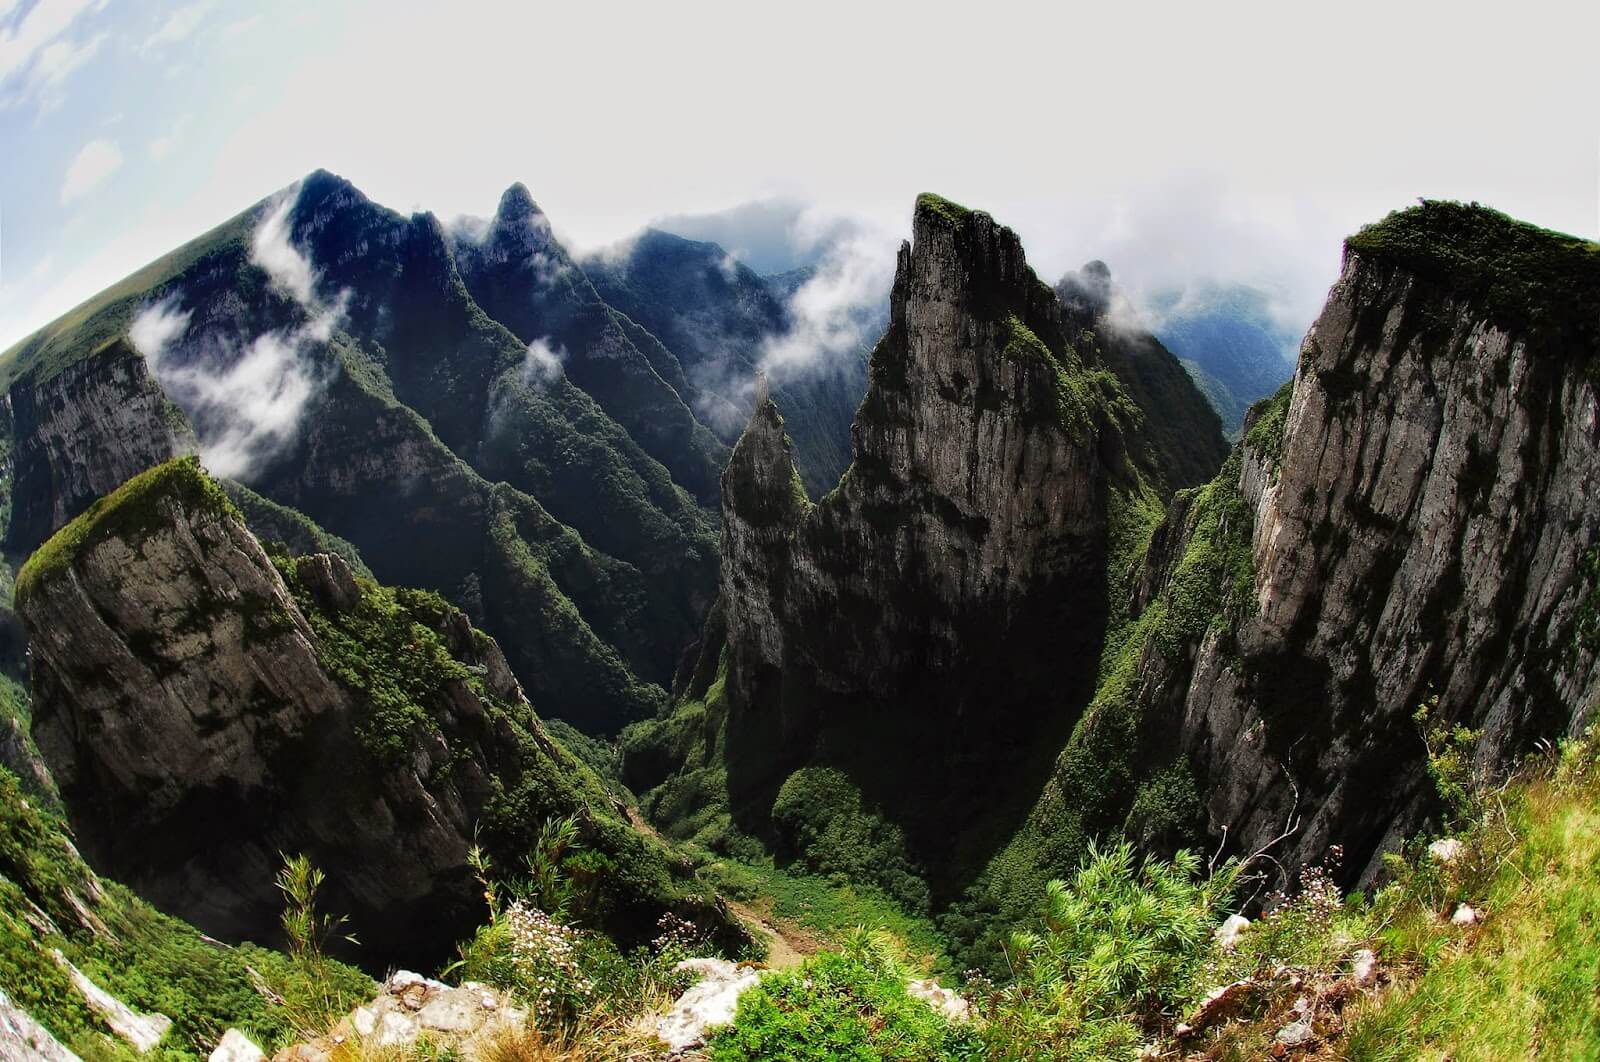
(462, 1022)
(205, 710)
(1420, 517)
(929, 621)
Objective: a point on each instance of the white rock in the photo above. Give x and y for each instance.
(142, 1031)
(24, 1040)
(951, 1004)
(235, 1046)
(708, 1004)
(1295, 1033)
(396, 1029)
(1446, 850)
(401, 980)
(1228, 933)
(1465, 916)
(1364, 967)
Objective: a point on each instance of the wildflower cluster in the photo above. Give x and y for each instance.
(545, 955)
(677, 940)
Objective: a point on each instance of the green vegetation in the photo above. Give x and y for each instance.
(850, 1004)
(388, 651)
(50, 900)
(293, 530)
(937, 206)
(1525, 277)
(819, 815)
(1265, 436)
(127, 512)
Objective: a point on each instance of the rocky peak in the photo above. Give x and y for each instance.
(1088, 291)
(205, 707)
(1425, 518)
(971, 523)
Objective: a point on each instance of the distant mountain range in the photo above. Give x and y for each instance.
(1230, 341)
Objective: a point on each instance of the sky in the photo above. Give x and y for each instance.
(1235, 142)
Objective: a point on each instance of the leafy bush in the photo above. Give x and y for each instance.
(842, 1005)
(1121, 948)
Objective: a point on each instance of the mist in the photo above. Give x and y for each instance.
(247, 397)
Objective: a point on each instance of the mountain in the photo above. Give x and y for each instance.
(991, 646)
(397, 415)
(1181, 435)
(205, 706)
(933, 624)
(1229, 338)
(717, 316)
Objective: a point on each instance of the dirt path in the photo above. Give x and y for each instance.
(787, 946)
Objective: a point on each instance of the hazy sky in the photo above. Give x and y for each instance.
(1234, 140)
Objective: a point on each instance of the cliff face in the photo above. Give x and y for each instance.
(80, 433)
(204, 709)
(941, 597)
(1424, 524)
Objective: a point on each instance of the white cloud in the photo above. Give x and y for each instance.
(156, 327)
(240, 27)
(98, 160)
(37, 56)
(247, 400)
(271, 249)
(543, 364)
(178, 26)
(832, 313)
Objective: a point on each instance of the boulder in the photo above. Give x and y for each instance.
(951, 1004)
(709, 1003)
(235, 1046)
(1228, 933)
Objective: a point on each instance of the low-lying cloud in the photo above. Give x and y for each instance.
(543, 364)
(246, 398)
(838, 310)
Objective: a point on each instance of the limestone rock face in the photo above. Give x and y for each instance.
(24, 1040)
(961, 557)
(1424, 526)
(83, 431)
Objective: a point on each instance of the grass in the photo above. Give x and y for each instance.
(1526, 277)
(126, 512)
(1523, 984)
(937, 206)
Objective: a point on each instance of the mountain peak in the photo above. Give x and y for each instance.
(516, 204)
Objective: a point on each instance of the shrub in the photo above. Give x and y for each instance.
(1120, 949)
(841, 1005)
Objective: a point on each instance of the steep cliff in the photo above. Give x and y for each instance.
(1425, 520)
(205, 708)
(933, 623)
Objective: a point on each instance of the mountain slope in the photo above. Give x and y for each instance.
(392, 403)
(1228, 338)
(1180, 439)
(716, 316)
